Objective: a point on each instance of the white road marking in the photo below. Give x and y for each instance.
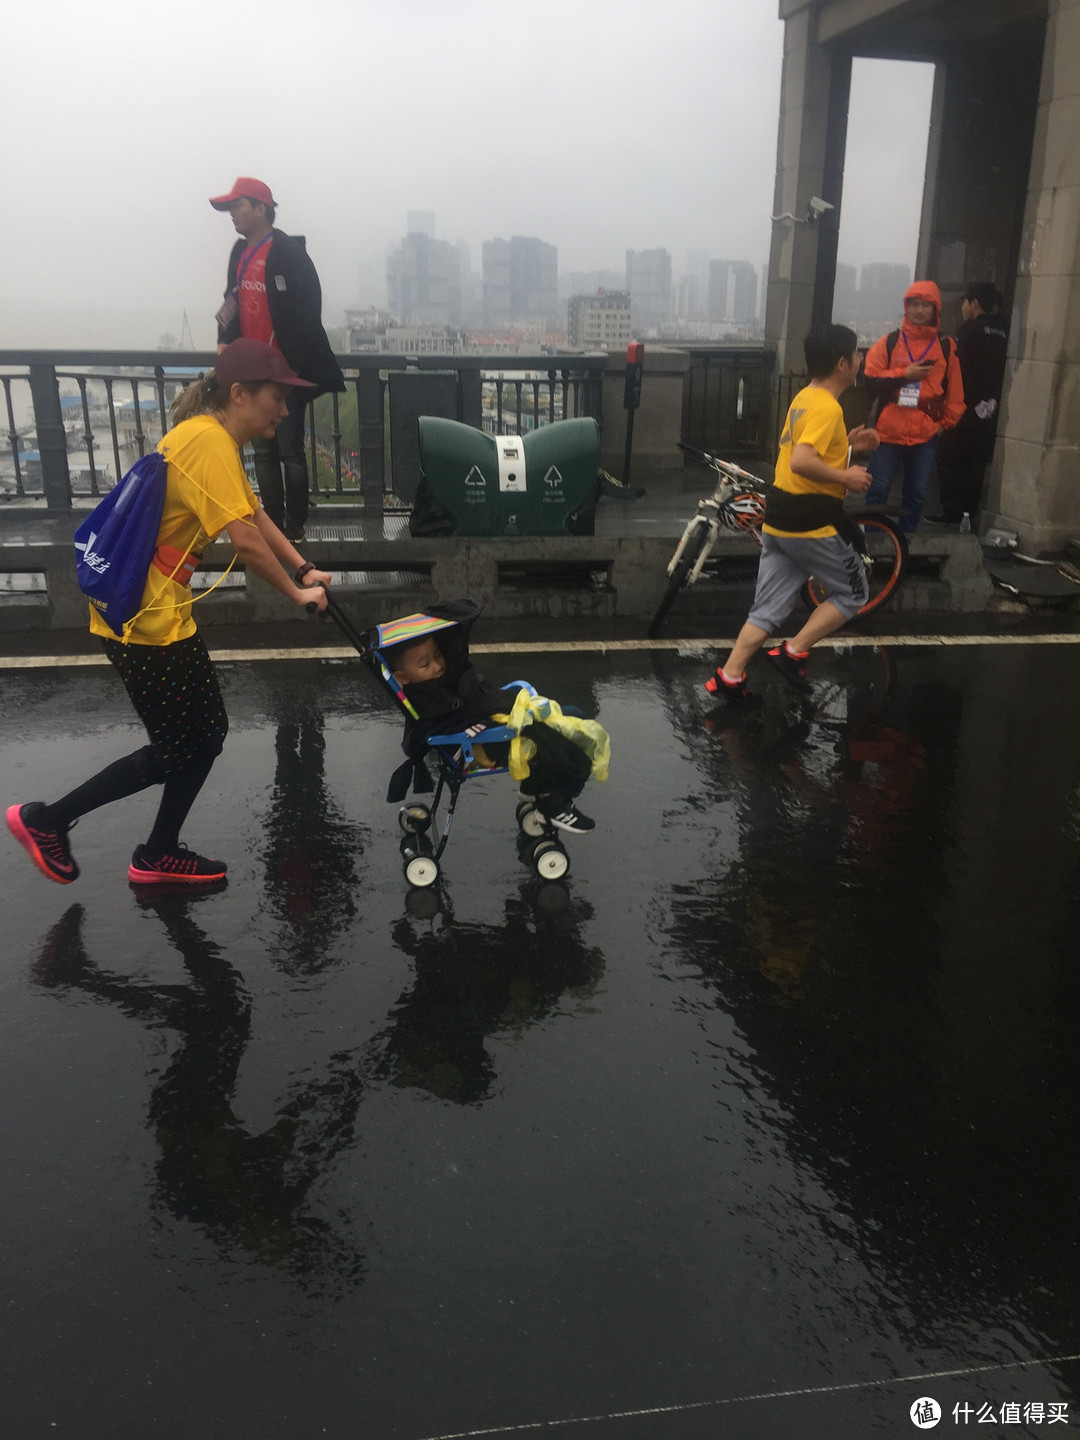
(560, 647)
(918, 1379)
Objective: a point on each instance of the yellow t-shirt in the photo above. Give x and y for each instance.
(814, 418)
(205, 490)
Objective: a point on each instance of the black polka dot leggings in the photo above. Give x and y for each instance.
(175, 692)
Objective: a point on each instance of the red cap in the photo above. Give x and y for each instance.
(244, 185)
(250, 361)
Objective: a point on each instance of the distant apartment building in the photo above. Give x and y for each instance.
(420, 222)
(600, 321)
(881, 292)
(733, 291)
(588, 282)
(423, 281)
(648, 280)
(520, 281)
(372, 331)
(696, 282)
(845, 295)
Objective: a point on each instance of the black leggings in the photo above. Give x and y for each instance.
(175, 692)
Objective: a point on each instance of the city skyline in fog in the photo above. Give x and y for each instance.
(605, 129)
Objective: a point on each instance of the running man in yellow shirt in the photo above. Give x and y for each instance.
(806, 531)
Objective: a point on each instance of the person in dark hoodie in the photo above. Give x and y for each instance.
(273, 294)
(451, 696)
(915, 379)
(982, 344)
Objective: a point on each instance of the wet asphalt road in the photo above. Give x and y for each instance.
(778, 1093)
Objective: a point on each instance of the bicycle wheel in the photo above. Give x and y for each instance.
(687, 561)
(885, 560)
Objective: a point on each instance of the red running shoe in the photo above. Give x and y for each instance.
(735, 692)
(175, 867)
(46, 845)
(791, 665)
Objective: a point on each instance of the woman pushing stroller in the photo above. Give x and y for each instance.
(163, 662)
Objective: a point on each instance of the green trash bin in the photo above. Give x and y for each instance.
(511, 484)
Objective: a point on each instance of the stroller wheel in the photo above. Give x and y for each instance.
(550, 860)
(414, 819)
(421, 871)
(529, 819)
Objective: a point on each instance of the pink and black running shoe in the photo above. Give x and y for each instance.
(174, 867)
(47, 845)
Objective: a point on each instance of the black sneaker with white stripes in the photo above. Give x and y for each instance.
(566, 816)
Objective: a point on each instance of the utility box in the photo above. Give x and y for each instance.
(542, 483)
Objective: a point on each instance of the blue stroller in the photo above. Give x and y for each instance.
(454, 760)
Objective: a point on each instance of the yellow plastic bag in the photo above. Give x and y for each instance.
(587, 735)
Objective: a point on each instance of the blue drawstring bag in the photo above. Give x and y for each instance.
(115, 543)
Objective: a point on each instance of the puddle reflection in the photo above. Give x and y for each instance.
(313, 853)
(872, 935)
(471, 982)
(246, 1190)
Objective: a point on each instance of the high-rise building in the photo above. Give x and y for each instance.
(588, 282)
(600, 321)
(420, 222)
(648, 279)
(881, 292)
(521, 281)
(733, 288)
(716, 298)
(695, 287)
(495, 270)
(742, 292)
(470, 304)
(845, 295)
(423, 281)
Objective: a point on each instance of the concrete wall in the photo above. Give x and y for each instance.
(978, 162)
(1036, 478)
(658, 421)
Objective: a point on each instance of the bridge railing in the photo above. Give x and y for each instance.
(728, 405)
(93, 413)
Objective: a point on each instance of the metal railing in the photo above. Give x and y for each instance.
(728, 400)
(75, 405)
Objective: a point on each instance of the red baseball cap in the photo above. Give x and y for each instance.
(244, 185)
(251, 361)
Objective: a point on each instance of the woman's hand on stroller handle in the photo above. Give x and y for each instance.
(315, 582)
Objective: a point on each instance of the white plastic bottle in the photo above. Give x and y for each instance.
(965, 524)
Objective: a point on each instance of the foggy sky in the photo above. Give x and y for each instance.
(596, 126)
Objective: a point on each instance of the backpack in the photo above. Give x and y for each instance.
(885, 391)
(115, 544)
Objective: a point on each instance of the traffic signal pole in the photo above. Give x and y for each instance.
(635, 363)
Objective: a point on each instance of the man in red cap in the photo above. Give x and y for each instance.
(273, 294)
(915, 376)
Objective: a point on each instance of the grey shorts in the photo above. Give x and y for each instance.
(786, 565)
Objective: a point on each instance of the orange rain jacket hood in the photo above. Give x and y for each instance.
(941, 393)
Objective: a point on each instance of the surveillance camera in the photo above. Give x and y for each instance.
(819, 206)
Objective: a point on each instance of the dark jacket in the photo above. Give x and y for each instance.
(294, 296)
(982, 346)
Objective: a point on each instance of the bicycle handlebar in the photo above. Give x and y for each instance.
(724, 467)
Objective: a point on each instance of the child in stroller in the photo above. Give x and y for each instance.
(473, 729)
